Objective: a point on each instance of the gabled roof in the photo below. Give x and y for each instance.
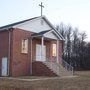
(20, 22)
(50, 34)
(16, 23)
(53, 27)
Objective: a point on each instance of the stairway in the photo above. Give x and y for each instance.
(59, 69)
(41, 69)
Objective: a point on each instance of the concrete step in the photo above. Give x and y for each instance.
(40, 69)
(58, 69)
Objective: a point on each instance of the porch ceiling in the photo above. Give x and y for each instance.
(45, 38)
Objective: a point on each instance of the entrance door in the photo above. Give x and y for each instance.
(4, 66)
(40, 56)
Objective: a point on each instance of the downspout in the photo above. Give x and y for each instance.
(31, 58)
(9, 49)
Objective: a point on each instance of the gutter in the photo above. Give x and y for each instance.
(31, 57)
(9, 50)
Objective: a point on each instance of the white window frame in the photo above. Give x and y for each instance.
(24, 46)
(54, 49)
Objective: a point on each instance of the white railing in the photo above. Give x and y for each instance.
(54, 66)
(51, 64)
(68, 67)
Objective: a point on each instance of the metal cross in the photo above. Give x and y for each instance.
(41, 5)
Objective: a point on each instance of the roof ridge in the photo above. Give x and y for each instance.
(15, 23)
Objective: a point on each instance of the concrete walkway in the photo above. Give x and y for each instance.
(37, 78)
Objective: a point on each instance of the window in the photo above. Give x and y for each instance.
(53, 49)
(25, 46)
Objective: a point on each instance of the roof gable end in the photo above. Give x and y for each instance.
(36, 25)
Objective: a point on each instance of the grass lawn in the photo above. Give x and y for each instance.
(81, 82)
(79, 74)
(83, 74)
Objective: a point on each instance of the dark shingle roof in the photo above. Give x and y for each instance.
(13, 24)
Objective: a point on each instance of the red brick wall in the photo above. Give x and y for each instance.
(59, 49)
(38, 41)
(20, 61)
(39, 69)
(48, 44)
(3, 46)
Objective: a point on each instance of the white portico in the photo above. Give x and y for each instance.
(42, 47)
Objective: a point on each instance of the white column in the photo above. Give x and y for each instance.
(42, 44)
(57, 50)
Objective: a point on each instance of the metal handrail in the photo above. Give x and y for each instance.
(68, 66)
(56, 66)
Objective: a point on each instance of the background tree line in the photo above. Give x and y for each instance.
(76, 50)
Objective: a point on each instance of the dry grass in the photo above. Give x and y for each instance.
(84, 74)
(41, 83)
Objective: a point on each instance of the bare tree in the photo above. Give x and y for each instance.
(76, 50)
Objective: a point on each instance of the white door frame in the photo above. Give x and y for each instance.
(4, 67)
(40, 54)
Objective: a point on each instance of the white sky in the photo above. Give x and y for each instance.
(74, 12)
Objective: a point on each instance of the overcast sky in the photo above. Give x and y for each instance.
(74, 12)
